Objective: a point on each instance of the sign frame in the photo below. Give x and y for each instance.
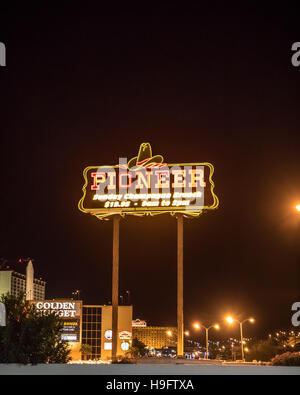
(104, 213)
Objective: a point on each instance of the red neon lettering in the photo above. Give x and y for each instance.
(129, 180)
(98, 178)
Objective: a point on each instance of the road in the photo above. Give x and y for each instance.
(181, 369)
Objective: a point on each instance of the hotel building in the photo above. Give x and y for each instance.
(156, 336)
(16, 278)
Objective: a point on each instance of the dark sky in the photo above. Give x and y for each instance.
(85, 85)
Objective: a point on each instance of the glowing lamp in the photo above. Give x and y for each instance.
(230, 320)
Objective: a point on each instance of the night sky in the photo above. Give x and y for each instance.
(84, 86)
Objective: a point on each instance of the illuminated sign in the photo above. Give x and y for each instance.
(108, 334)
(125, 335)
(146, 185)
(125, 346)
(70, 338)
(68, 311)
(139, 323)
(71, 330)
(107, 346)
(62, 309)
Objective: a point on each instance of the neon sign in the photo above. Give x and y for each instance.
(125, 335)
(138, 323)
(145, 185)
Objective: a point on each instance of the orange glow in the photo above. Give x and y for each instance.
(197, 326)
(298, 208)
(230, 320)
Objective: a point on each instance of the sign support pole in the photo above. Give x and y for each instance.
(180, 340)
(115, 286)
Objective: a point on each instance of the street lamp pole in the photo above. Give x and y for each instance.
(242, 341)
(206, 330)
(230, 320)
(216, 326)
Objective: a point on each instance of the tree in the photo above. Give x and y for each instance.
(29, 337)
(86, 349)
(276, 344)
(286, 359)
(137, 349)
(263, 350)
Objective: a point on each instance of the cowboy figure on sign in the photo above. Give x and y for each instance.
(145, 159)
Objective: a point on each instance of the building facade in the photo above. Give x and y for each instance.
(90, 325)
(124, 331)
(91, 330)
(156, 337)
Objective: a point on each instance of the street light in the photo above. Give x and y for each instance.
(231, 320)
(198, 326)
(171, 342)
(76, 294)
(298, 207)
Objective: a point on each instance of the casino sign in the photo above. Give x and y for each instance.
(68, 311)
(146, 185)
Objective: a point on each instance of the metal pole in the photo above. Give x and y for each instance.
(206, 329)
(115, 286)
(180, 285)
(242, 341)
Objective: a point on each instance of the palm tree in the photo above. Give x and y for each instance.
(85, 349)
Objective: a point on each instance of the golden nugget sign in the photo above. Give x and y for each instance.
(146, 185)
(62, 308)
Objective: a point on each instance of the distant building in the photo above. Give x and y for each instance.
(18, 277)
(156, 336)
